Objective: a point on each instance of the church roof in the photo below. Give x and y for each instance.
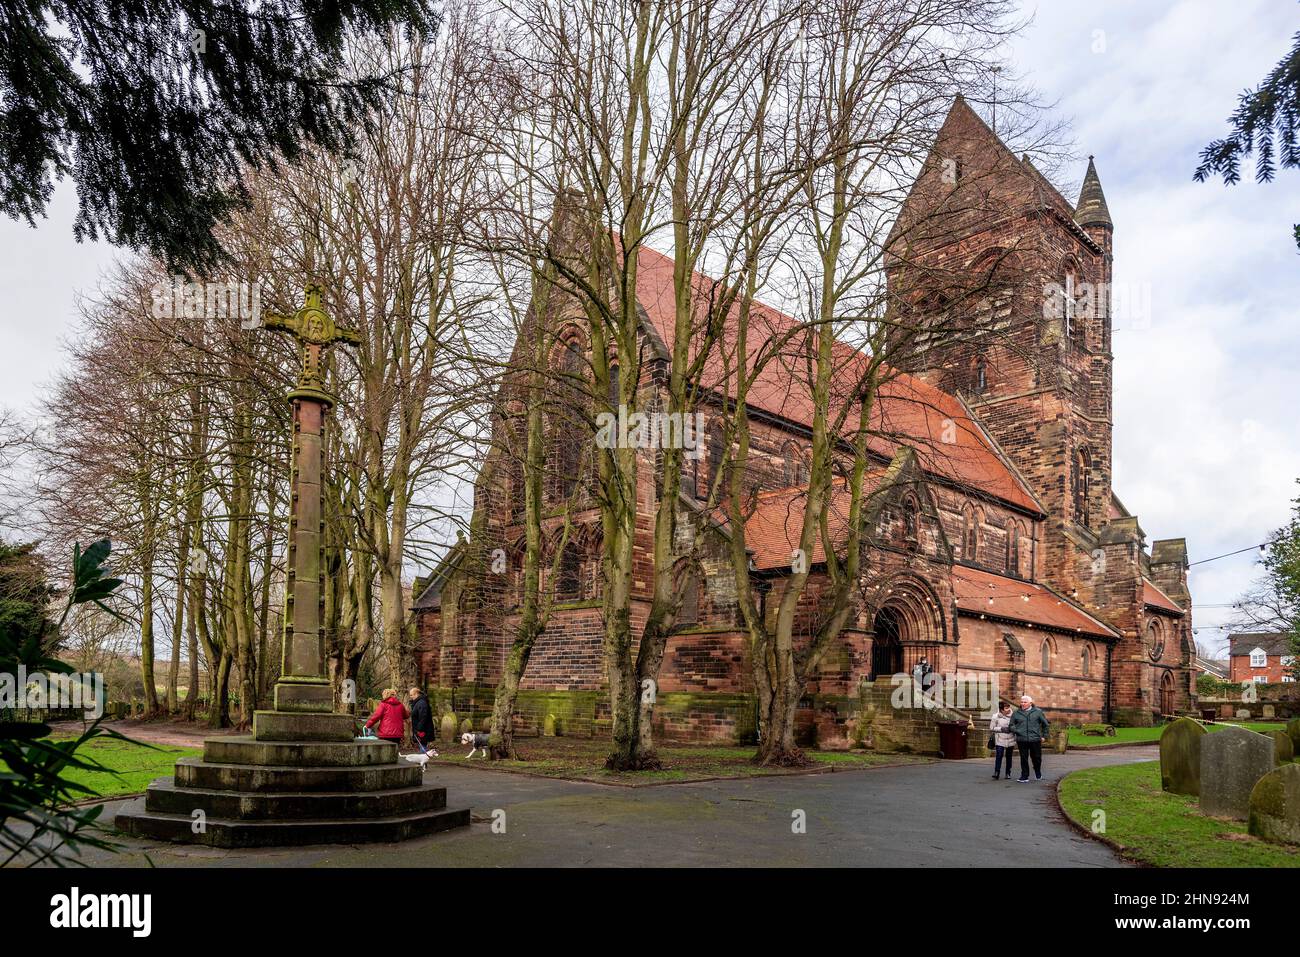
(985, 593)
(950, 445)
(1091, 209)
(773, 531)
(1153, 597)
(999, 180)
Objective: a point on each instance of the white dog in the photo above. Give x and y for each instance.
(421, 758)
(478, 741)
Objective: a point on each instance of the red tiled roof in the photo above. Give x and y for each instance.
(1153, 596)
(772, 532)
(948, 443)
(973, 588)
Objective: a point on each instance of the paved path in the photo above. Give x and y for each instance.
(948, 813)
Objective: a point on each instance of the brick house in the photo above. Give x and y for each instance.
(1264, 658)
(997, 547)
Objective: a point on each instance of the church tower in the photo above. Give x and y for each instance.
(1031, 271)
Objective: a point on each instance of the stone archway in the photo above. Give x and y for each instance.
(907, 627)
(1167, 692)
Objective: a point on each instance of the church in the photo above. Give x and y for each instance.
(1009, 556)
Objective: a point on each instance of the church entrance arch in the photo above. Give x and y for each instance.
(907, 627)
(1167, 693)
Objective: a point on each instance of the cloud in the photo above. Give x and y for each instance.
(1204, 435)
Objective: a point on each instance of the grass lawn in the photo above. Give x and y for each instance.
(1146, 735)
(1165, 830)
(583, 759)
(128, 767)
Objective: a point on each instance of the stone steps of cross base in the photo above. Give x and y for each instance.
(301, 754)
(135, 820)
(196, 773)
(164, 796)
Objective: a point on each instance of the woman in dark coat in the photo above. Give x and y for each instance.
(421, 718)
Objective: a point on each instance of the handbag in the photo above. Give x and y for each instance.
(992, 741)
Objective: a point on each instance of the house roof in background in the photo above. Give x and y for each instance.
(1273, 643)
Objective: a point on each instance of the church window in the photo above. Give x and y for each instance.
(568, 577)
(1013, 548)
(1082, 468)
(717, 451)
(689, 612)
(566, 420)
(514, 432)
(1087, 661)
(1047, 656)
(981, 382)
(793, 471)
(970, 538)
(1071, 318)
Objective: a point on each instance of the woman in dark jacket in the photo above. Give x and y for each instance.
(391, 717)
(421, 718)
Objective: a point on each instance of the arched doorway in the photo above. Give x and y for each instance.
(1167, 693)
(887, 646)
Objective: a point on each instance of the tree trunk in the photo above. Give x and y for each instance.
(192, 692)
(219, 707)
(146, 639)
(264, 648)
(178, 622)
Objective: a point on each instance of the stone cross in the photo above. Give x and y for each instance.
(304, 684)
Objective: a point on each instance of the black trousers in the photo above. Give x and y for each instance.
(1030, 749)
(1000, 754)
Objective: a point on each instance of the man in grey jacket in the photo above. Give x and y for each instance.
(1030, 726)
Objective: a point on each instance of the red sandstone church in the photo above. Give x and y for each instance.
(1009, 555)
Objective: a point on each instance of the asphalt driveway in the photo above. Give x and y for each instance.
(949, 814)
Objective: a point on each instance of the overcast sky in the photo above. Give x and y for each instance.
(1206, 443)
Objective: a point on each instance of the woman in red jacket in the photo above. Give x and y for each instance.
(391, 715)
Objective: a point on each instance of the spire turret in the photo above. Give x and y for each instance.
(1091, 209)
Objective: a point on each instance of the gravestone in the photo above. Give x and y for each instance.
(1232, 760)
(1293, 729)
(1243, 714)
(1269, 712)
(1283, 749)
(1180, 757)
(448, 726)
(1275, 806)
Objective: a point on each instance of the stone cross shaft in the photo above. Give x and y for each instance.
(304, 684)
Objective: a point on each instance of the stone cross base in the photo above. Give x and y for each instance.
(298, 779)
(310, 697)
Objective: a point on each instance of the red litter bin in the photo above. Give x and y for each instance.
(952, 740)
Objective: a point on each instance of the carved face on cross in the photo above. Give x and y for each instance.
(315, 330)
